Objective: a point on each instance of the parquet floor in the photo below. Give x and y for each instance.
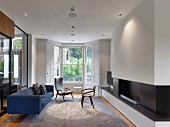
(120, 114)
(7, 121)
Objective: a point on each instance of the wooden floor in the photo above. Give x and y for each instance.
(7, 121)
(120, 114)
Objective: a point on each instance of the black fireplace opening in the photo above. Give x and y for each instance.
(129, 90)
(153, 98)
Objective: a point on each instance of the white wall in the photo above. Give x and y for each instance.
(133, 45)
(42, 58)
(104, 61)
(162, 42)
(140, 44)
(41, 61)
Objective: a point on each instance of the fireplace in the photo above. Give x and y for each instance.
(130, 90)
(153, 98)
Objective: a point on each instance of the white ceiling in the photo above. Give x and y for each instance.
(2, 37)
(50, 17)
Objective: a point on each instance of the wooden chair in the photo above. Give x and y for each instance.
(90, 92)
(58, 82)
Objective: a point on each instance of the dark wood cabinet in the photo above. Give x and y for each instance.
(6, 25)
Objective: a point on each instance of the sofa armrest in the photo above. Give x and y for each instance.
(50, 88)
(24, 104)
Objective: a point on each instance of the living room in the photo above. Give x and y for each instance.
(117, 49)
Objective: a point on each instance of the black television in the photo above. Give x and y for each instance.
(109, 78)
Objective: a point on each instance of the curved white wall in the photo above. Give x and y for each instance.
(162, 42)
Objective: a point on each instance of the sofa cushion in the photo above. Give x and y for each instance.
(43, 89)
(37, 89)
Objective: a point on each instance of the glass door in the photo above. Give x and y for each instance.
(13, 65)
(4, 71)
(19, 61)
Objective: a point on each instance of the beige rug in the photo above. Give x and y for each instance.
(70, 114)
(71, 110)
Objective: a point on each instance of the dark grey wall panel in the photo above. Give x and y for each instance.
(163, 99)
(148, 96)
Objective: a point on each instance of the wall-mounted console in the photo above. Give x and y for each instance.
(144, 104)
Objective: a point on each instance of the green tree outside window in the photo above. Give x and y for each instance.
(17, 44)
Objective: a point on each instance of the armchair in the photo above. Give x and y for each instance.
(89, 92)
(58, 82)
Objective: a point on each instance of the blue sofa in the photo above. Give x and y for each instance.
(26, 102)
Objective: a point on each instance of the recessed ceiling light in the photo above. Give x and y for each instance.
(72, 40)
(42, 34)
(72, 34)
(72, 27)
(72, 15)
(25, 14)
(120, 14)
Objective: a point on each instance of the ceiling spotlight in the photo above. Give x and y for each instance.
(25, 14)
(72, 27)
(42, 34)
(120, 14)
(72, 34)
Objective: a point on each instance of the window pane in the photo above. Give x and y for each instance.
(4, 60)
(88, 65)
(17, 43)
(72, 73)
(56, 62)
(72, 56)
